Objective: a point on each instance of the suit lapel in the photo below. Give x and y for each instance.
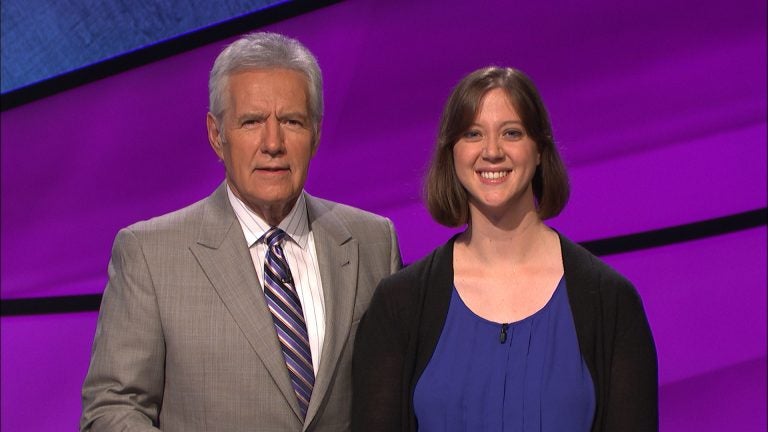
(225, 259)
(337, 256)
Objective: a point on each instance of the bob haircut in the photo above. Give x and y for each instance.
(264, 50)
(446, 198)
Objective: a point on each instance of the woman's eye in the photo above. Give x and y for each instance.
(471, 134)
(513, 133)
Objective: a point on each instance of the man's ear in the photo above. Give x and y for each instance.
(214, 135)
(316, 140)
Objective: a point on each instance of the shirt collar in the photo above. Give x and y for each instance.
(295, 224)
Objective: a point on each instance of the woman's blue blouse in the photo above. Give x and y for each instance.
(523, 376)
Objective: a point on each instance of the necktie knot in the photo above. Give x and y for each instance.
(274, 236)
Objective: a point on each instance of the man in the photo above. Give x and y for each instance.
(238, 313)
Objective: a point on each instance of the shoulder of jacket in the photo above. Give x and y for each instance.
(611, 282)
(415, 276)
(176, 222)
(343, 211)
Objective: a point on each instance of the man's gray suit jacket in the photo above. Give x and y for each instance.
(185, 341)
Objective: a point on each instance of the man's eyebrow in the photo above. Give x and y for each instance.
(252, 115)
(300, 114)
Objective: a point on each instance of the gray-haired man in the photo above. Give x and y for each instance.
(238, 313)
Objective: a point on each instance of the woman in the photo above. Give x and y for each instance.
(509, 326)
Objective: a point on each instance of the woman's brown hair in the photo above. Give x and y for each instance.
(446, 198)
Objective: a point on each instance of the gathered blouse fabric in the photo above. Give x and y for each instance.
(399, 334)
(525, 376)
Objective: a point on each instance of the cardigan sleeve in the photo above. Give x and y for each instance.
(378, 362)
(632, 399)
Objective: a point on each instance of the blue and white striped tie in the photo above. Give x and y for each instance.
(288, 316)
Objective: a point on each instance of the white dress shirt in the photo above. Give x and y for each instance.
(299, 248)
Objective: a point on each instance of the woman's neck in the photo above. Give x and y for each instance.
(513, 237)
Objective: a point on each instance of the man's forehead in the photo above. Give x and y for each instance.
(279, 80)
(261, 73)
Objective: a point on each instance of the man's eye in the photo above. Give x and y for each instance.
(293, 122)
(250, 122)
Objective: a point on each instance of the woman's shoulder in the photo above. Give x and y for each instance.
(412, 279)
(593, 272)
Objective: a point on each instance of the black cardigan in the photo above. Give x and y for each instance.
(400, 330)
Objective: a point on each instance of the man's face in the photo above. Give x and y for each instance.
(265, 139)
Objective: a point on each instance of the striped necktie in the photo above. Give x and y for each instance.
(288, 317)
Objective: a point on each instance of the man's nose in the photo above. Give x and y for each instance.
(272, 139)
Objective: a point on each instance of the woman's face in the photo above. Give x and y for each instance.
(495, 159)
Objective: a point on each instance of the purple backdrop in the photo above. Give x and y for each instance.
(659, 110)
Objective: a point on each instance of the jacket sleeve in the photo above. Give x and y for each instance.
(124, 386)
(632, 399)
(378, 364)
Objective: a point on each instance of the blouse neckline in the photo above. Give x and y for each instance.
(465, 307)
